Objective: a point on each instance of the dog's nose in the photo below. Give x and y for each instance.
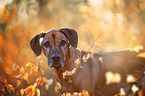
(55, 57)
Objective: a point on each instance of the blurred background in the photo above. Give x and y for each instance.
(121, 24)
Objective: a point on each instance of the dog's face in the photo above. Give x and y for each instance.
(55, 47)
(55, 44)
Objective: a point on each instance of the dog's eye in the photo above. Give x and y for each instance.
(62, 43)
(46, 44)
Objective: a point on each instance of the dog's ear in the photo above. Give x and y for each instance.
(35, 44)
(71, 35)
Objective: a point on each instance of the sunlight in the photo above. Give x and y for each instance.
(119, 18)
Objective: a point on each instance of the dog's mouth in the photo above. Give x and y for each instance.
(55, 63)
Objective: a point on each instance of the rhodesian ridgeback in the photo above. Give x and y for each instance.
(85, 70)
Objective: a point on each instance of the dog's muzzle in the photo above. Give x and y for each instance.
(55, 60)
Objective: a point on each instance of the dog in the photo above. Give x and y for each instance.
(77, 70)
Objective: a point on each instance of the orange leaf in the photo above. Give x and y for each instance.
(35, 68)
(18, 76)
(28, 65)
(25, 77)
(21, 70)
(69, 72)
(137, 48)
(31, 89)
(85, 93)
(22, 91)
(100, 59)
(19, 83)
(122, 92)
(57, 87)
(48, 82)
(141, 55)
(134, 88)
(3, 90)
(15, 66)
(4, 81)
(130, 78)
(38, 92)
(68, 94)
(9, 86)
(63, 94)
(39, 81)
(77, 62)
(85, 58)
(112, 77)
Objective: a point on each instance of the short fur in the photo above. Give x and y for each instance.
(59, 46)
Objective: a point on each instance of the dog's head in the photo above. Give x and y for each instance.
(55, 44)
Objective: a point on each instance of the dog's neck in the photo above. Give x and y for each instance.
(69, 63)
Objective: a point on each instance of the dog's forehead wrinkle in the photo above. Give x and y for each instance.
(47, 40)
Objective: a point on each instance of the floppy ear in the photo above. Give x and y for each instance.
(71, 35)
(35, 45)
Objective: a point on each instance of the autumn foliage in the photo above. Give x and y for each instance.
(120, 23)
(22, 74)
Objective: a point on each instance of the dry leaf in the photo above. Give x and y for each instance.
(117, 78)
(22, 91)
(130, 78)
(35, 85)
(92, 53)
(18, 76)
(13, 67)
(122, 92)
(112, 78)
(77, 62)
(38, 92)
(4, 81)
(21, 70)
(76, 94)
(137, 48)
(25, 77)
(109, 77)
(28, 65)
(19, 83)
(35, 68)
(141, 55)
(68, 94)
(50, 81)
(39, 81)
(134, 88)
(9, 86)
(57, 87)
(85, 58)
(46, 86)
(63, 94)
(100, 59)
(68, 73)
(31, 89)
(85, 93)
